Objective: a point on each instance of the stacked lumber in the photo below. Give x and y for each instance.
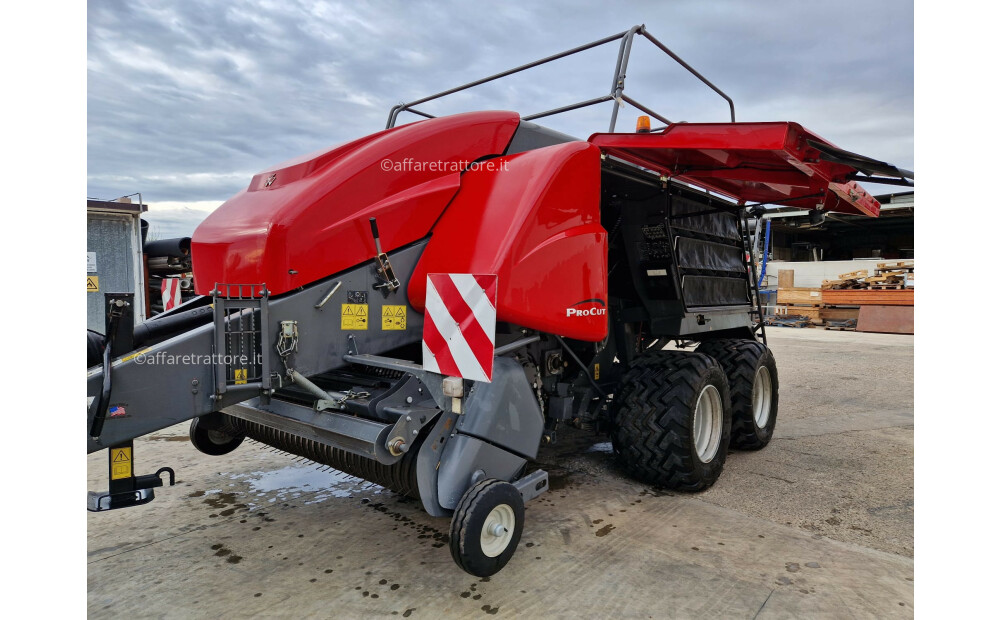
(888, 276)
(906, 265)
(837, 303)
(870, 297)
(850, 280)
(892, 276)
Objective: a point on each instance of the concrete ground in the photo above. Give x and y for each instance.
(818, 525)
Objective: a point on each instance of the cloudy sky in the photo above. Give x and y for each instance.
(187, 100)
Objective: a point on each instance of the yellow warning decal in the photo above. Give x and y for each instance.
(394, 317)
(353, 316)
(597, 371)
(241, 376)
(92, 285)
(121, 463)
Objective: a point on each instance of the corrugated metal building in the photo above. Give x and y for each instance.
(114, 257)
(840, 237)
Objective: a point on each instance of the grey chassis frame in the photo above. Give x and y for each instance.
(470, 436)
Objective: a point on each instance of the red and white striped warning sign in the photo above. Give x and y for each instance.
(460, 320)
(171, 290)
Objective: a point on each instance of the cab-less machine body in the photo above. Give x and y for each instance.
(309, 333)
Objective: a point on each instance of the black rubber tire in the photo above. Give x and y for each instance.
(741, 359)
(212, 442)
(467, 525)
(652, 419)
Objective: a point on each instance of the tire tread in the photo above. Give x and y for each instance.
(739, 359)
(652, 430)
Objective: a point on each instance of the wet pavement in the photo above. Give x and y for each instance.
(819, 524)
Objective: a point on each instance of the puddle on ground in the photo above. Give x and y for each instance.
(603, 447)
(292, 482)
(559, 478)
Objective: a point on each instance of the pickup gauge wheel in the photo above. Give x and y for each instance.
(211, 441)
(486, 527)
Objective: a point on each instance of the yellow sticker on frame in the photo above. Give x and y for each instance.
(121, 463)
(92, 284)
(394, 318)
(353, 316)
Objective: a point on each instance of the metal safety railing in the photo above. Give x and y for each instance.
(617, 93)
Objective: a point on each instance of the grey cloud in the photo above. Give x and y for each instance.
(187, 100)
(167, 224)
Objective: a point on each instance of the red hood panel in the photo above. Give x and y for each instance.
(536, 224)
(755, 162)
(308, 218)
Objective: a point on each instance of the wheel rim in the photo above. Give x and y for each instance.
(498, 530)
(218, 437)
(708, 423)
(762, 397)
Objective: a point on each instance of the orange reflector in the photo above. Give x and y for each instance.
(642, 124)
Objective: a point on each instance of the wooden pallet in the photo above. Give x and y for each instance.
(853, 275)
(894, 277)
(903, 264)
(844, 284)
(880, 274)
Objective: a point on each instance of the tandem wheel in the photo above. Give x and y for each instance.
(486, 527)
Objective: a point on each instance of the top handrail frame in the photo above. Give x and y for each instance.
(617, 93)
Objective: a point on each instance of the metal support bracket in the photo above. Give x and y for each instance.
(125, 489)
(533, 485)
(407, 428)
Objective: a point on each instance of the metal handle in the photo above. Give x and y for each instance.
(378, 244)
